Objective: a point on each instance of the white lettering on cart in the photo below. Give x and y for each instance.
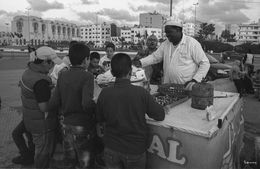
(173, 147)
(157, 148)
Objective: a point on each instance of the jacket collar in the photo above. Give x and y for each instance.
(121, 81)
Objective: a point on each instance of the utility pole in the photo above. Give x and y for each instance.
(96, 28)
(29, 38)
(195, 5)
(7, 34)
(170, 8)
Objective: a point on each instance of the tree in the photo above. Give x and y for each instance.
(205, 30)
(227, 36)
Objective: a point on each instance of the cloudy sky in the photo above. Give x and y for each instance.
(126, 12)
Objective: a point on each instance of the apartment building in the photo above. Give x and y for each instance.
(126, 34)
(249, 32)
(189, 29)
(37, 31)
(97, 33)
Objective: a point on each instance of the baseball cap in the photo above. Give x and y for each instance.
(174, 22)
(45, 53)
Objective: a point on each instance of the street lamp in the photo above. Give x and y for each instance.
(195, 5)
(29, 39)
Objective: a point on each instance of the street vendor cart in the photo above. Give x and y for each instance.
(187, 139)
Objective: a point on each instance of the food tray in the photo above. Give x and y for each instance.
(175, 101)
(173, 90)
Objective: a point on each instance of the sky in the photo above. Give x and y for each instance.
(126, 12)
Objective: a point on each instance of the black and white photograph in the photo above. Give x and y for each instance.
(129, 84)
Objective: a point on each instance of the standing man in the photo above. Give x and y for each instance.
(35, 94)
(184, 61)
(122, 108)
(153, 72)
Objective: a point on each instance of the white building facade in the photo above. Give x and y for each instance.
(37, 31)
(97, 33)
(249, 32)
(189, 29)
(126, 34)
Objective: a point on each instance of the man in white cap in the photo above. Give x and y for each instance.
(184, 61)
(35, 94)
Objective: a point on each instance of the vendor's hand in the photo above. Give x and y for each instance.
(188, 85)
(136, 62)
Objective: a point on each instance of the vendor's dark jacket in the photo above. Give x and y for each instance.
(74, 94)
(34, 118)
(122, 108)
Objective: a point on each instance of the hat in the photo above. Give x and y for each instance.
(173, 22)
(45, 53)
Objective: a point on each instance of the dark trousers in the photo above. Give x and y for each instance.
(117, 160)
(78, 147)
(239, 85)
(248, 84)
(44, 148)
(25, 150)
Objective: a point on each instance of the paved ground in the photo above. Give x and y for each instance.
(10, 113)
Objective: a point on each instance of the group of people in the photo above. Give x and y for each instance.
(120, 109)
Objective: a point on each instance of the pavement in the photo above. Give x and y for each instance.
(10, 113)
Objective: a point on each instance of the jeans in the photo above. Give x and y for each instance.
(44, 148)
(78, 147)
(19, 140)
(117, 160)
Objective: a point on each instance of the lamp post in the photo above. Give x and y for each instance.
(195, 5)
(170, 7)
(29, 39)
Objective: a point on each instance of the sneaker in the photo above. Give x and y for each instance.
(23, 160)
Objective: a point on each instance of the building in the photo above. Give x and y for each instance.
(97, 33)
(189, 29)
(249, 32)
(126, 34)
(39, 31)
(5, 38)
(233, 29)
(151, 20)
(114, 30)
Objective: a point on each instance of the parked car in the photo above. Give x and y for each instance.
(232, 55)
(217, 70)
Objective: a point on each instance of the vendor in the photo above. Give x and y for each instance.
(184, 61)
